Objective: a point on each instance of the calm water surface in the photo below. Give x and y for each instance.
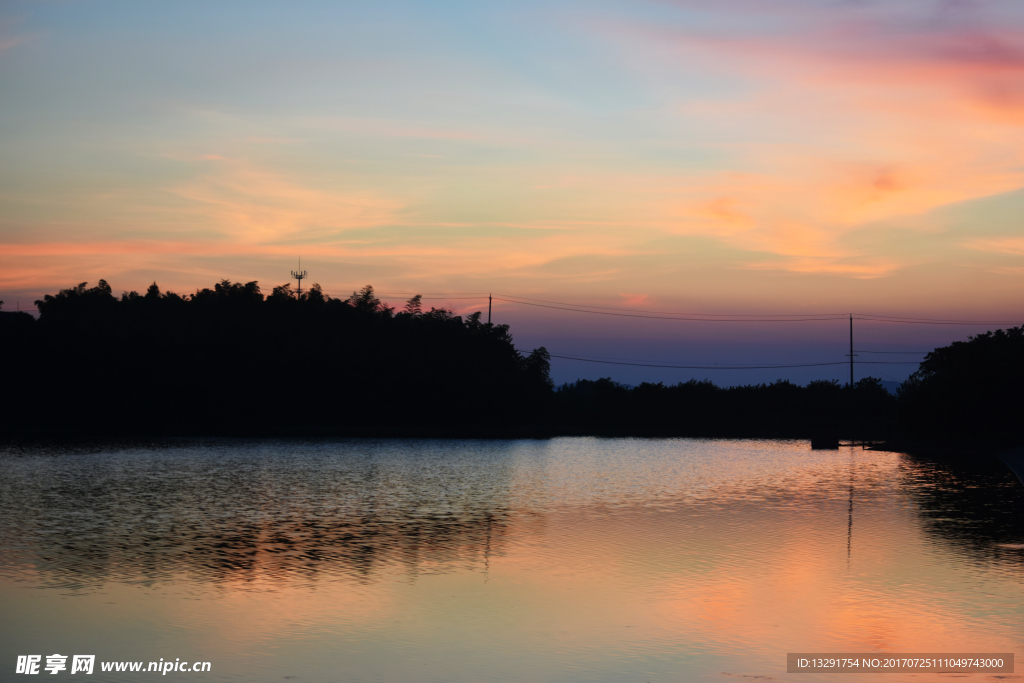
(564, 560)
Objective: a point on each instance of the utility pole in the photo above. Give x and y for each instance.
(300, 275)
(853, 439)
(851, 350)
(488, 309)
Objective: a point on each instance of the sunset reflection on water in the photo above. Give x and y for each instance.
(560, 560)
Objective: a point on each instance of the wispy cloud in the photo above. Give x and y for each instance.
(388, 128)
(1000, 245)
(840, 114)
(10, 38)
(8, 43)
(252, 205)
(764, 137)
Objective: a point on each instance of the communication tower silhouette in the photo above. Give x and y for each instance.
(299, 275)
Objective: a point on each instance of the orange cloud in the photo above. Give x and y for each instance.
(840, 117)
(850, 115)
(253, 206)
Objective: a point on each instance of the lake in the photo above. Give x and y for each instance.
(569, 559)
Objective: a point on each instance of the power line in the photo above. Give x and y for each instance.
(588, 356)
(929, 321)
(729, 317)
(440, 298)
(439, 295)
(701, 367)
(740, 317)
(904, 352)
(888, 362)
(921, 322)
(693, 317)
(826, 316)
(725, 317)
(700, 317)
(592, 357)
(662, 317)
(432, 295)
(727, 367)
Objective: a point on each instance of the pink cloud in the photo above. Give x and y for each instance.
(635, 299)
(8, 42)
(838, 116)
(975, 49)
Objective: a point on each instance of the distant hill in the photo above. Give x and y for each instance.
(890, 385)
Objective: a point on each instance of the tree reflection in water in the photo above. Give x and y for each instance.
(79, 520)
(975, 506)
(301, 512)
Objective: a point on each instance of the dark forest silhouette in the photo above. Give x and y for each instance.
(229, 360)
(969, 391)
(701, 408)
(968, 394)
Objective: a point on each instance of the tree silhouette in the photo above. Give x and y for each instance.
(412, 307)
(969, 390)
(229, 360)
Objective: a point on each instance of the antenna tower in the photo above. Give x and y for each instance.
(299, 275)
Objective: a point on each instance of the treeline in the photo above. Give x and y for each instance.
(970, 393)
(969, 390)
(229, 360)
(701, 408)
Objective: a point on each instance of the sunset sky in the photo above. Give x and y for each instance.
(736, 156)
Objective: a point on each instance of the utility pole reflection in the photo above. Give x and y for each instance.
(849, 521)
